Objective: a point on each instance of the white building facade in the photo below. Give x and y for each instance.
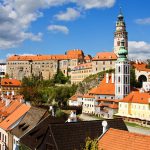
(122, 73)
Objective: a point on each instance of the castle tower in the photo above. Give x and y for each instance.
(120, 33)
(122, 73)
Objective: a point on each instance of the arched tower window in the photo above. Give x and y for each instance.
(118, 43)
(119, 69)
(126, 89)
(118, 89)
(126, 80)
(126, 70)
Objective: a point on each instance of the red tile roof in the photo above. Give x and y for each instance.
(105, 56)
(104, 88)
(115, 139)
(10, 82)
(137, 97)
(71, 54)
(12, 107)
(141, 67)
(73, 98)
(88, 57)
(13, 117)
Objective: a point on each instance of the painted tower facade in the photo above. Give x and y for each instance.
(120, 34)
(122, 73)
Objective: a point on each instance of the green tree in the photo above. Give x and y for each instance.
(133, 81)
(91, 144)
(60, 78)
(148, 65)
(39, 91)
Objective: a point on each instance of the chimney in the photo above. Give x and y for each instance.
(51, 109)
(113, 77)
(107, 77)
(7, 102)
(7, 93)
(72, 117)
(13, 93)
(104, 124)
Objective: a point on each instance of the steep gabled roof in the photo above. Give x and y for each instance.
(13, 117)
(31, 119)
(35, 137)
(115, 139)
(66, 136)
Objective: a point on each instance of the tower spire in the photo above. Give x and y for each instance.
(120, 33)
(120, 11)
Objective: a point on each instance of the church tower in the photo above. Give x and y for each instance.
(122, 73)
(120, 33)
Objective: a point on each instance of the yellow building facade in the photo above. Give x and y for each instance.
(135, 107)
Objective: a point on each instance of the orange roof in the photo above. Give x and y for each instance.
(113, 106)
(115, 139)
(73, 98)
(141, 67)
(88, 96)
(71, 54)
(10, 82)
(75, 52)
(137, 97)
(13, 106)
(105, 56)
(88, 57)
(104, 88)
(13, 117)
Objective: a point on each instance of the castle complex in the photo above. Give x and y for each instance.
(69, 63)
(45, 65)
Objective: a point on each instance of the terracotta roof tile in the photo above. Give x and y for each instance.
(141, 67)
(104, 88)
(10, 82)
(105, 56)
(71, 54)
(88, 57)
(126, 141)
(13, 117)
(137, 97)
(73, 98)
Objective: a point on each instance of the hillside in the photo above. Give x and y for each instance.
(91, 81)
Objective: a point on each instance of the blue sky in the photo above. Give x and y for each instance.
(55, 26)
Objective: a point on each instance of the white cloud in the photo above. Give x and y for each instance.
(139, 50)
(143, 21)
(16, 16)
(89, 4)
(70, 14)
(58, 28)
